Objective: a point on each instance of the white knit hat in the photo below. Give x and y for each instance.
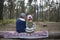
(29, 17)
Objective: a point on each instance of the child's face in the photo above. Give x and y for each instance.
(30, 20)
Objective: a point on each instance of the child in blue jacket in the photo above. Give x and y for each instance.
(21, 23)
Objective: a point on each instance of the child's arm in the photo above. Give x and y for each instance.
(34, 25)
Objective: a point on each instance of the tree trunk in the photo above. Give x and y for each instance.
(11, 9)
(22, 7)
(1, 9)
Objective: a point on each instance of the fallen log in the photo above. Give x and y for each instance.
(55, 35)
(51, 35)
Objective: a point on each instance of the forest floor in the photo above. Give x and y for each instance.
(49, 26)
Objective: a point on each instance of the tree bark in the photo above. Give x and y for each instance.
(11, 9)
(1, 9)
(22, 7)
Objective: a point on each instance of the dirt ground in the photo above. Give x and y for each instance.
(49, 26)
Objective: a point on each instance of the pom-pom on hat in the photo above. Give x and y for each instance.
(29, 17)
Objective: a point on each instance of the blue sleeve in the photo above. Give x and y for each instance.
(20, 26)
(17, 25)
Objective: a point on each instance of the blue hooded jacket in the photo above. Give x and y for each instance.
(20, 25)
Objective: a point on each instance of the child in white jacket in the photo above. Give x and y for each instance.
(30, 26)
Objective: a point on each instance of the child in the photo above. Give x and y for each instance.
(30, 26)
(21, 23)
